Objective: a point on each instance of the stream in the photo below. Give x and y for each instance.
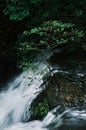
(16, 99)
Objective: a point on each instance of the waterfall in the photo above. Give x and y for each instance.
(16, 100)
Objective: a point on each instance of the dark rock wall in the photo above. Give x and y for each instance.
(8, 35)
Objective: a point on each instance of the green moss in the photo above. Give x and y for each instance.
(40, 110)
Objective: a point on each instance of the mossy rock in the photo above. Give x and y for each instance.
(60, 89)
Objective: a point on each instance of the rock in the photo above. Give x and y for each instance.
(72, 62)
(60, 89)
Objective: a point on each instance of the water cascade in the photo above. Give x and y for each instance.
(16, 100)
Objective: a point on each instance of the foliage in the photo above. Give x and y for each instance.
(47, 36)
(17, 9)
(73, 7)
(40, 110)
(38, 10)
(32, 13)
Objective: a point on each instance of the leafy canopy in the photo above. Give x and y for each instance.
(43, 9)
(47, 36)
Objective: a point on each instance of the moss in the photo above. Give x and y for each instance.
(40, 110)
(61, 90)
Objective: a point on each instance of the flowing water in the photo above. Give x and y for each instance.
(15, 106)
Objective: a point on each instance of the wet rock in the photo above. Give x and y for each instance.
(72, 62)
(61, 89)
(83, 80)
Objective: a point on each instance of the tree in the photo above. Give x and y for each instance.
(47, 36)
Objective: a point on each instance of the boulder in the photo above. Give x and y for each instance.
(61, 89)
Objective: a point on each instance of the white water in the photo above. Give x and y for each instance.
(15, 103)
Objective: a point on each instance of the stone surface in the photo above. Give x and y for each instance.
(61, 89)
